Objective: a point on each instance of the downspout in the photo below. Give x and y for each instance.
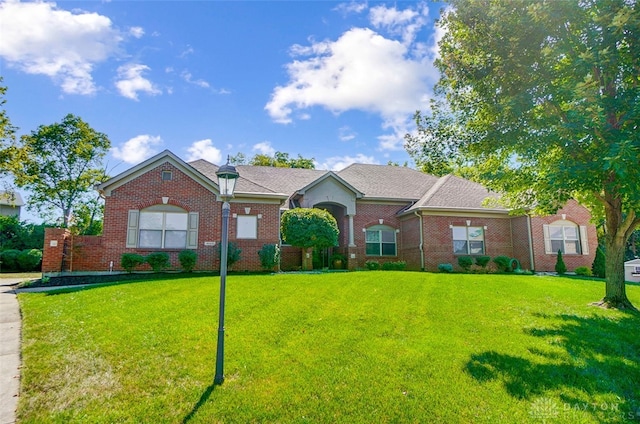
(421, 240)
(529, 231)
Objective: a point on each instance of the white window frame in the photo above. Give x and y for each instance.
(247, 227)
(565, 228)
(134, 227)
(470, 236)
(382, 241)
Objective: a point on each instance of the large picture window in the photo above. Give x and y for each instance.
(380, 241)
(468, 240)
(162, 227)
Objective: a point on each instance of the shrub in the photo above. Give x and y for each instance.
(561, 268)
(129, 261)
(394, 266)
(233, 253)
(269, 256)
(9, 259)
(158, 261)
(583, 270)
(372, 265)
(598, 266)
(29, 260)
(445, 267)
(483, 261)
(503, 263)
(188, 259)
(465, 262)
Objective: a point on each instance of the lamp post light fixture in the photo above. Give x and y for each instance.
(227, 177)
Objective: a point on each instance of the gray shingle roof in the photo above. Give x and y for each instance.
(453, 192)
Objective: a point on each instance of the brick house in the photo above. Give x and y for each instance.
(384, 213)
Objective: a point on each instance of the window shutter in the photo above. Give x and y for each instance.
(132, 228)
(192, 231)
(547, 240)
(584, 240)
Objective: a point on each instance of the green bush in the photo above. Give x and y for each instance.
(394, 266)
(561, 268)
(483, 261)
(503, 263)
(233, 253)
(465, 262)
(158, 261)
(584, 271)
(9, 260)
(372, 265)
(188, 259)
(29, 260)
(445, 268)
(129, 261)
(599, 264)
(269, 256)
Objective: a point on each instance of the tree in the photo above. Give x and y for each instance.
(308, 229)
(7, 131)
(560, 267)
(540, 101)
(19, 235)
(59, 164)
(281, 160)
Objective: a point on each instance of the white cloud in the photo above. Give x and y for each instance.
(137, 149)
(346, 133)
(264, 148)
(39, 38)
(204, 149)
(351, 7)
(136, 32)
(131, 82)
(388, 75)
(336, 163)
(186, 75)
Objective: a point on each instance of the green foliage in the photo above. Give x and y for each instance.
(584, 271)
(129, 261)
(560, 267)
(233, 253)
(16, 234)
(465, 262)
(338, 260)
(372, 265)
(269, 256)
(303, 227)
(9, 260)
(447, 268)
(158, 261)
(598, 268)
(59, 164)
(503, 263)
(188, 260)
(29, 260)
(394, 266)
(7, 131)
(278, 160)
(483, 261)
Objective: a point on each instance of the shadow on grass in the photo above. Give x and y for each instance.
(584, 358)
(203, 399)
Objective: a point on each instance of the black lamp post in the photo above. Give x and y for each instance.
(227, 177)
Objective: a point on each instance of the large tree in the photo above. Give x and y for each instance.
(59, 165)
(541, 101)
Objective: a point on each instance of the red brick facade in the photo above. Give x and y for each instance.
(512, 236)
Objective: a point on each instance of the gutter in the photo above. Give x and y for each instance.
(421, 240)
(529, 231)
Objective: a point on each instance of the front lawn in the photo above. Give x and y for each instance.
(347, 347)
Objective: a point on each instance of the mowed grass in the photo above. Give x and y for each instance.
(342, 348)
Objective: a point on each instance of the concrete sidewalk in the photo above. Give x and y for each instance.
(10, 328)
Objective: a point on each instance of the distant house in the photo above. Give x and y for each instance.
(632, 271)
(384, 213)
(10, 203)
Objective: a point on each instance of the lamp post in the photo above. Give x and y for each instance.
(227, 177)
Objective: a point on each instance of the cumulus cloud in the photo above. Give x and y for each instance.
(137, 149)
(130, 81)
(382, 71)
(136, 32)
(39, 38)
(204, 149)
(336, 163)
(264, 148)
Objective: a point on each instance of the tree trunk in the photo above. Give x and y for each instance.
(307, 258)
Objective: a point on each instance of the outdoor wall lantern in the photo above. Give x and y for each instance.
(227, 177)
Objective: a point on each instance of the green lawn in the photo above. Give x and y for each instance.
(347, 347)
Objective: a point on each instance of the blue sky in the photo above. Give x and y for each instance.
(335, 81)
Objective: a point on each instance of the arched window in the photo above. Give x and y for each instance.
(564, 236)
(162, 227)
(380, 241)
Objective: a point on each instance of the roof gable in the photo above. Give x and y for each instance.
(387, 182)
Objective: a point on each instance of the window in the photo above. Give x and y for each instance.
(167, 175)
(162, 227)
(247, 227)
(468, 240)
(565, 237)
(380, 241)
